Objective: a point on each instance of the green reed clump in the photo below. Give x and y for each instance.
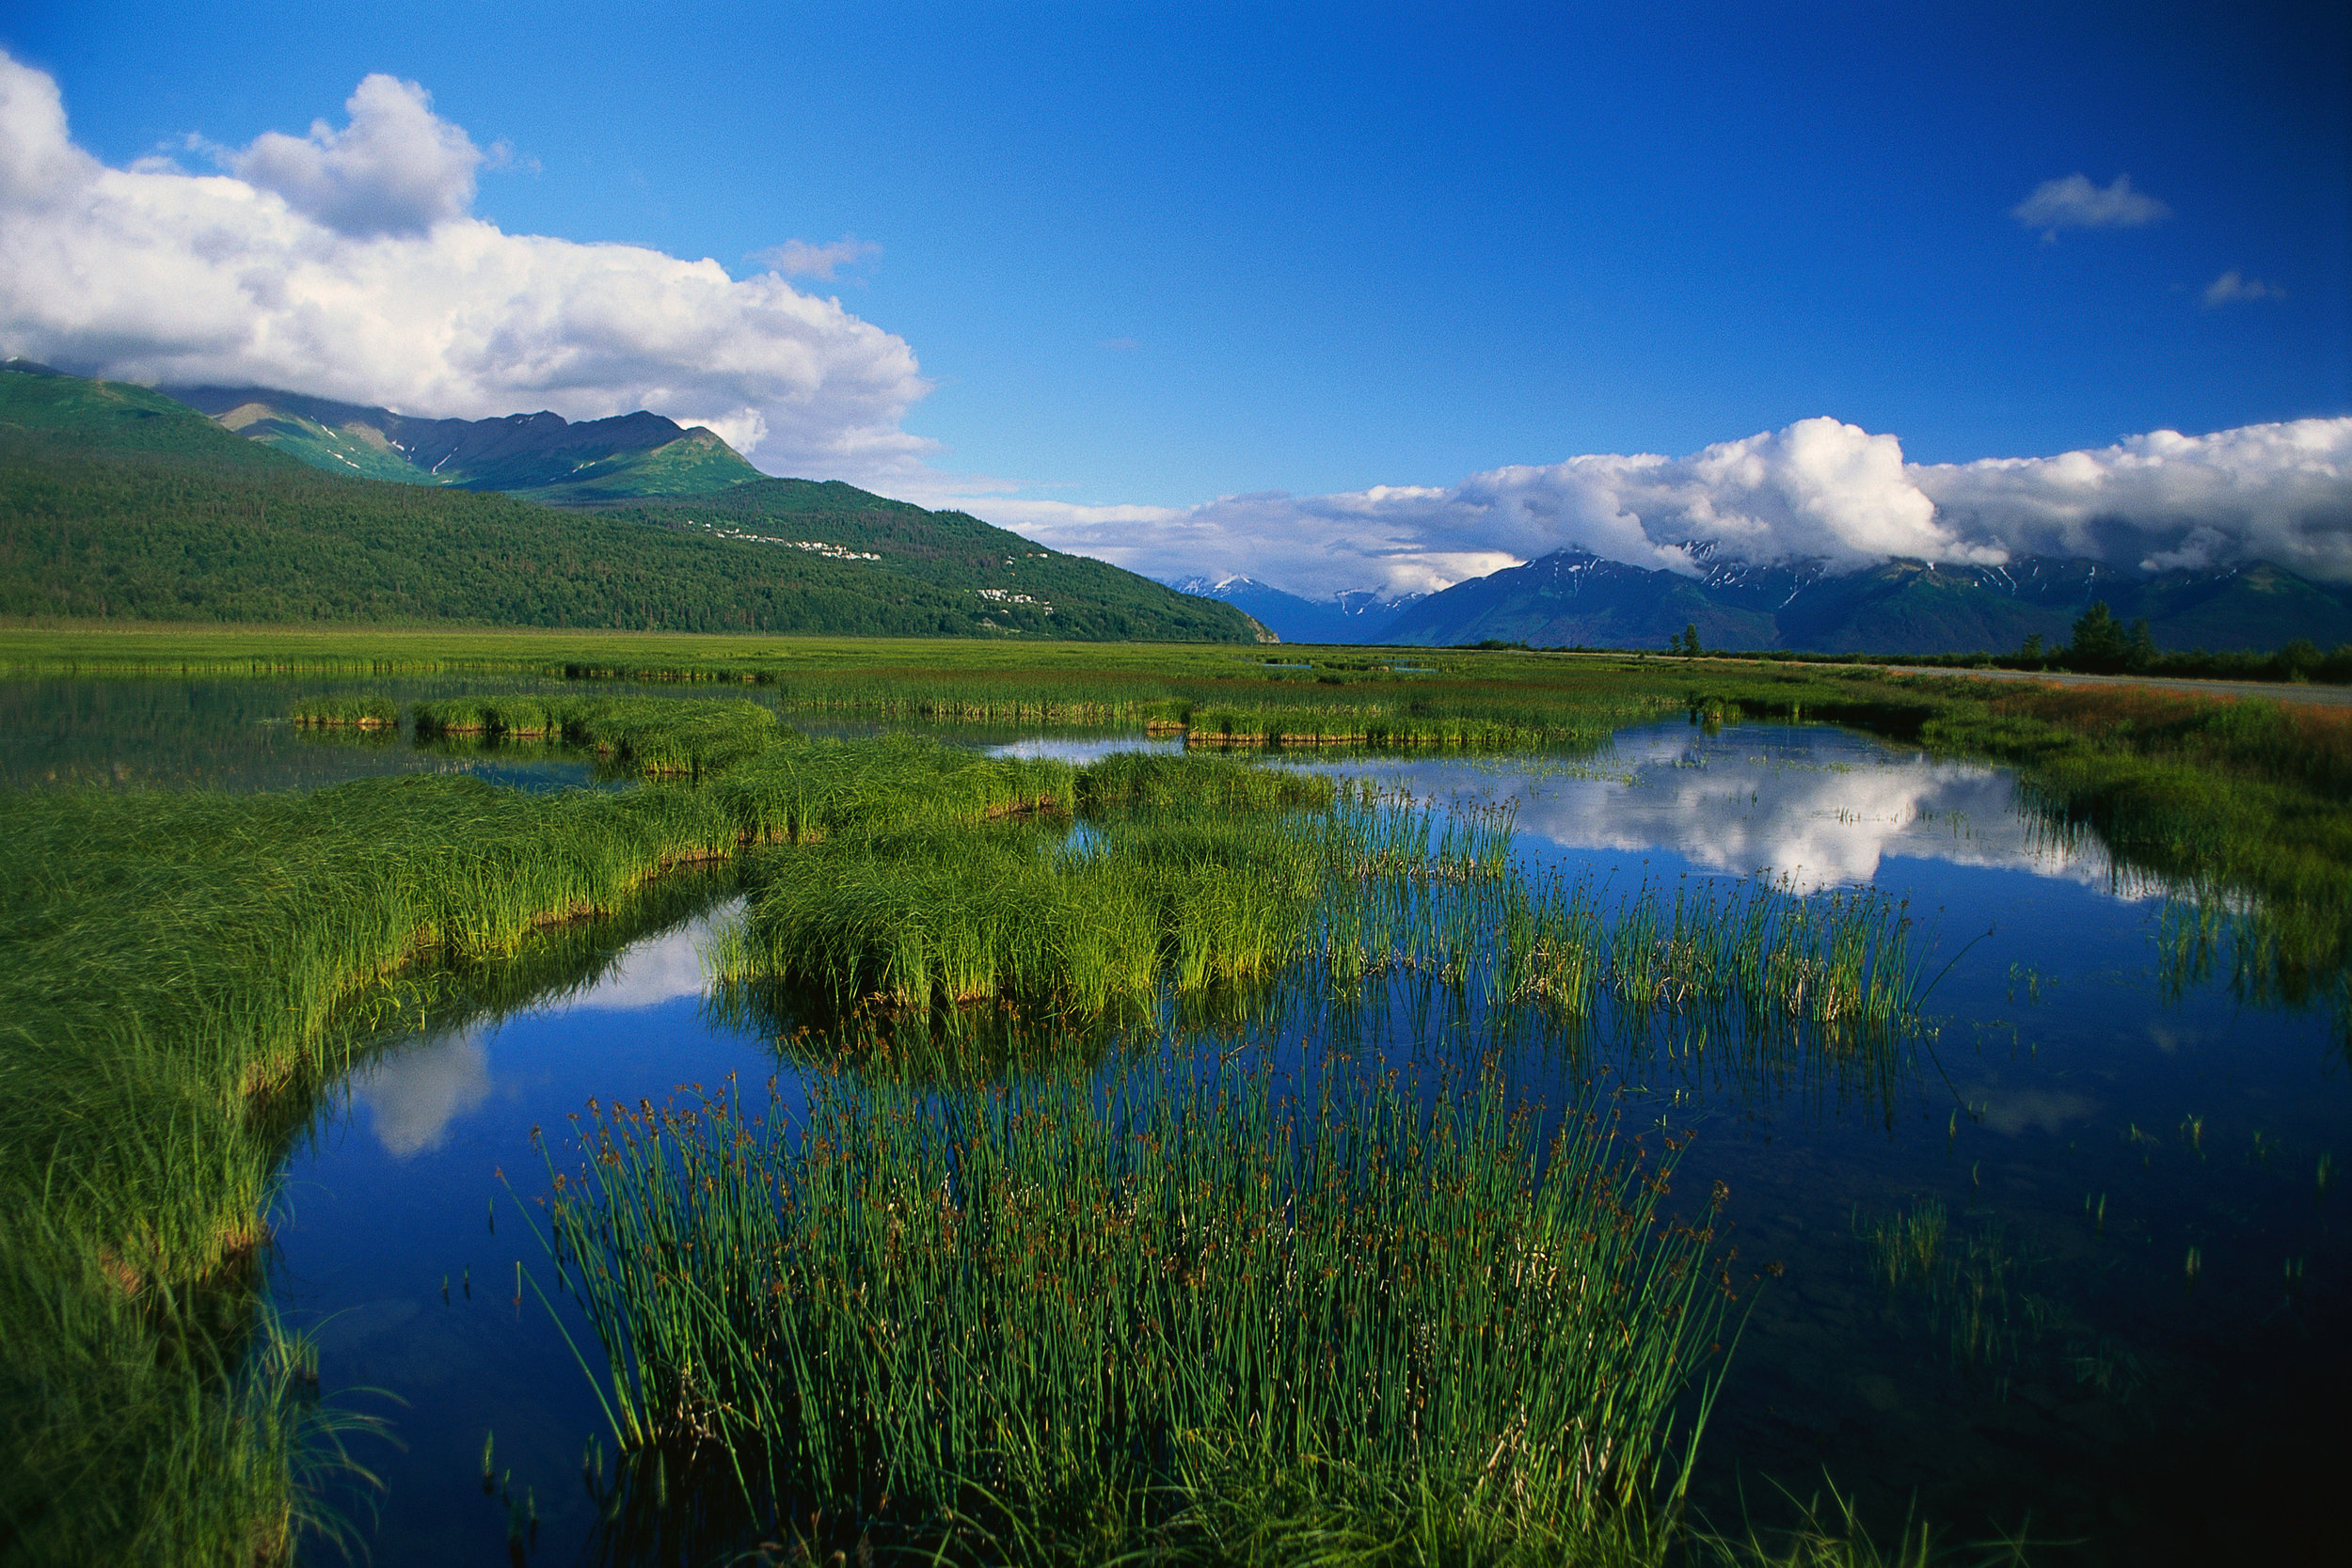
(1165, 1307)
(1973, 1284)
(929, 918)
(1197, 895)
(165, 957)
(364, 713)
(823, 789)
(176, 973)
(651, 735)
(669, 734)
(1132, 779)
(1754, 949)
(954, 917)
(1909, 1247)
(1279, 725)
(132, 1435)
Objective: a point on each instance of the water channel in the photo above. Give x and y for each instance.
(2135, 1350)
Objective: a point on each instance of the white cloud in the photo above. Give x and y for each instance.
(2074, 202)
(413, 1095)
(2265, 492)
(656, 970)
(800, 259)
(345, 264)
(1806, 827)
(397, 168)
(1818, 490)
(2231, 286)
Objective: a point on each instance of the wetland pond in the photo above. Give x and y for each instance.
(2071, 1264)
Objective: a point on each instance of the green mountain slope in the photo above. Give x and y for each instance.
(1014, 582)
(543, 455)
(71, 415)
(117, 502)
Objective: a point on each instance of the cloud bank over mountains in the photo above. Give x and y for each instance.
(1818, 490)
(346, 263)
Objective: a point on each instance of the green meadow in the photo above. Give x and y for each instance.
(1129, 1305)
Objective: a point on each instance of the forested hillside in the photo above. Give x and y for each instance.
(118, 503)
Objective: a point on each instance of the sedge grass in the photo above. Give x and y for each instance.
(364, 713)
(178, 973)
(1082, 1315)
(1196, 896)
(651, 736)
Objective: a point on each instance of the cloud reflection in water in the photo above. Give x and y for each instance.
(1816, 808)
(414, 1096)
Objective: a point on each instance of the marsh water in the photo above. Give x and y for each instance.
(2131, 1346)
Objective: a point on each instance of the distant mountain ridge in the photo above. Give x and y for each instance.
(1355, 616)
(117, 503)
(1574, 597)
(542, 456)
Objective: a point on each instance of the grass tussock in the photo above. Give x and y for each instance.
(362, 713)
(1165, 1310)
(653, 735)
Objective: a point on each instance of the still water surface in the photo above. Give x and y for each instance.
(2083, 1124)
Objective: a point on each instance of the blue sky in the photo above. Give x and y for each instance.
(1161, 255)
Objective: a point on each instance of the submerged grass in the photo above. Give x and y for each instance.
(1164, 1311)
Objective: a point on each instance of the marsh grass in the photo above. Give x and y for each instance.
(651, 736)
(1085, 1314)
(1189, 891)
(1469, 726)
(179, 975)
(820, 789)
(364, 713)
(177, 1425)
(1831, 1534)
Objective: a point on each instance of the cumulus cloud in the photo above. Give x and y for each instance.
(346, 263)
(2265, 492)
(397, 168)
(800, 259)
(2074, 202)
(2232, 286)
(1817, 491)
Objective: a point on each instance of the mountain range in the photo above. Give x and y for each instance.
(540, 456)
(1571, 599)
(636, 520)
(1356, 616)
(119, 502)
